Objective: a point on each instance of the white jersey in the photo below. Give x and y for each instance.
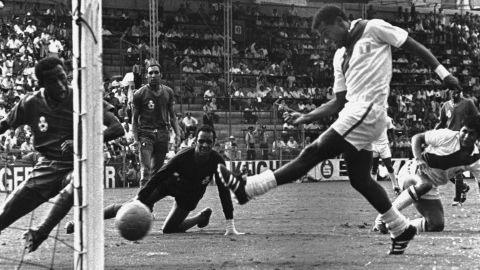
(445, 159)
(367, 77)
(383, 139)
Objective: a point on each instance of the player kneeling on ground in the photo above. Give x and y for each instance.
(185, 177)
(447, 154)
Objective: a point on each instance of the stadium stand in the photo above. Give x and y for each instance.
(278, 65)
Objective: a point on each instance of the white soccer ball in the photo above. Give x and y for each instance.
(133, 220)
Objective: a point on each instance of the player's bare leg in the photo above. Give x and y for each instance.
(413, 188)
(61, 206)
(429, 207)
(20, 202)
(160, 150)
(177, 221)
(461, 189)
(327, 145)
(359, 165)
(146, 160)
(391, 173)
(433, 218)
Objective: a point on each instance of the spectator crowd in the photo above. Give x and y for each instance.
(278, 66)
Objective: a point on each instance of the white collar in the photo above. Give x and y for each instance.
(353, 23)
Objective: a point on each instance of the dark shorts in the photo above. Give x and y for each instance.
(49, 177)
(159, 135)
(185, 199)
(188, 201)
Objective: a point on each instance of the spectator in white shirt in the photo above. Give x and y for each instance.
(13, 43)
(7, 83)
(208, 95)
(278, 148)
(54, 47)
(231, 150)
(127, 126)
(30, 29)
(11, 140)
(27, 145)
(190, 123)
(120, 95)
(292, 147)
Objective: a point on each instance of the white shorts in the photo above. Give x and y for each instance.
(407, 173)
(382, 151)
(361, 124)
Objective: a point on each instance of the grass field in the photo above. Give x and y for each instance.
(298, 226)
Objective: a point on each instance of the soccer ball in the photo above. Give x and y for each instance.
(133, 220)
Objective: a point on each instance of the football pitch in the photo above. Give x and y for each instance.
(298, 226)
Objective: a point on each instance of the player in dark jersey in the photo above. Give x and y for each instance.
(153, 115)
(448, 153)
(49, 112)
(452, 114)
(186, 177)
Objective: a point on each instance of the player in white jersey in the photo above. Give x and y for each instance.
(448, 153)
(362, 69)
(381, 149)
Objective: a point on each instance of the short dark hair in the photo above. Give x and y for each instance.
(45, 64)
(207, 128)
(473, 122)
(327, 15)
(155, 65)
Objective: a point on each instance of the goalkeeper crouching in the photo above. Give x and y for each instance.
(185, 177)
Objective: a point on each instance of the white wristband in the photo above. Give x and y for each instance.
(442, 72)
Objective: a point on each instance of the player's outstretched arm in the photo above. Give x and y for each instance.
(227, 206)
(330, 108)
(413, 46)
(231, 230)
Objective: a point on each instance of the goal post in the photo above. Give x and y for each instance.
(88, 134)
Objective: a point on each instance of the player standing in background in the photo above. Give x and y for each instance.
(381, 149)
(448, 153)
(49, 113)
(452, 113)
(152, 116)
(185, 177)
(363, 70)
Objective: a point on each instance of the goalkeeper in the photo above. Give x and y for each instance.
(185, 177)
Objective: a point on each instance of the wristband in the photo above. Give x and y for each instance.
(442, 72)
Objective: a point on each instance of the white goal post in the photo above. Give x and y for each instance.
(88, 134)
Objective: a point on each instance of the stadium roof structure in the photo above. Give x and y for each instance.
(338, 1)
